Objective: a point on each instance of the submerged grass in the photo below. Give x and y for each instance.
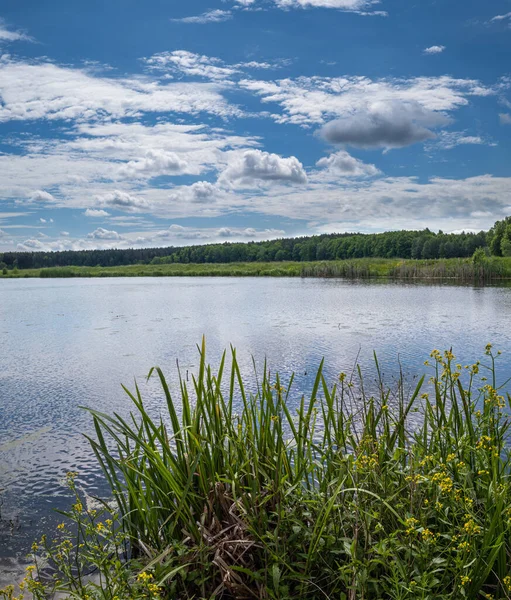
(396, 495)
(457, 269)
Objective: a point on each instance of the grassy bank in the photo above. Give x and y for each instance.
(404, 494)
(442, 269)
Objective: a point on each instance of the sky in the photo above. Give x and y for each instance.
(165, 123)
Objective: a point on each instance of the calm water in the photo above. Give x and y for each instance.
(67, 343)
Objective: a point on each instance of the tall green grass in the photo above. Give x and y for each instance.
(457, 269)
(399, 494)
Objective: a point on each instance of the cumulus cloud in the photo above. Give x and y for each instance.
(385, 125)
(343, 164)
(42, 196)
(2, 234)
(65, 233)
(122, 201)
(94, 212)
(104, 234)
(155, 162)
(505, 119)
(252, 166)
(203, 194)
(203, 191)
(434, 50)
(210, 16)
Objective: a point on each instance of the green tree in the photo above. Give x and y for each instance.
(496, 234)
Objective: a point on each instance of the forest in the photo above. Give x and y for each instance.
(423, 244)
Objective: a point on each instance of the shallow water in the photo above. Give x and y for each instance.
(71, 343)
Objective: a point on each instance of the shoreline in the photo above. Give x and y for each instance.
(464, 270)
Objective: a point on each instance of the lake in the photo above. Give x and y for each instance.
(73, 342)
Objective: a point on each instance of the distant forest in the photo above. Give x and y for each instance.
(394, 244)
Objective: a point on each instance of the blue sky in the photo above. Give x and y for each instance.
(162, 123)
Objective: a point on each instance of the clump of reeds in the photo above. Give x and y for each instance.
(230, 494)
(459, 269)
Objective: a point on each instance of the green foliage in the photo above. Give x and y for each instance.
(480, 256)
(501, 230)
(392, 244)
(230, 494)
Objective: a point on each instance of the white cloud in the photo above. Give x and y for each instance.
(7, 35)
(122, 201)
(179, 235)
(183, 62)
(48, 91)
(434, 50)
(313, 100)
(93, 212)
(104, 234)
(65, 233)
(252, 166)
(190, 64)
(155, 162)
(392, 202)
(210, 16)
(447, 140)
(505, 119)
(360, 6)
(501, 17)
(42, 196)
(343, 164)
(2, 234)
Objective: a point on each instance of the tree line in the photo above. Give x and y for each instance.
(423, 244)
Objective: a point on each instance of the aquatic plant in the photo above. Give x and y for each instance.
(402, 493)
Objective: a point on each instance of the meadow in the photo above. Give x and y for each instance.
(368, 490)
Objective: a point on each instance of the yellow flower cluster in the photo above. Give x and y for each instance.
(410, 524)
(485, 443)
(443, 481)
(470, 526)
(367, 461)
(427, 535)
(493, 396)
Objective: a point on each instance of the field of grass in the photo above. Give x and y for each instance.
(441, 269)
(404, 494)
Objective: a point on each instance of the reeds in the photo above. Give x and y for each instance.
(399, 494)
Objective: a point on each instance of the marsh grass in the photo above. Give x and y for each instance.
(395, 495)
(454, 269)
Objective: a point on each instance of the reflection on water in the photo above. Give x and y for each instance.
(71, 343)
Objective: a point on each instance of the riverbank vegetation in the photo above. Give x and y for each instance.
(480, 268)
(239, 489)
(423, 244)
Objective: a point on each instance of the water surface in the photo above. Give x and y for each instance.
(68, 343)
